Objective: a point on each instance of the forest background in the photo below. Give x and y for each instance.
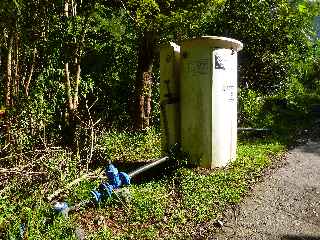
(74, 73)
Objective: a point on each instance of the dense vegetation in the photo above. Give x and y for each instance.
(73, 78)
(66, 65)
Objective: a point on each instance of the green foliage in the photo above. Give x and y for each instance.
(149, 202)
(39, 221)
(279, 41)
(274, 112)
(146, 11)
(251, 107)
(103, 234)
(131, 146)
(279, 80)
(143, 233)
(280, 55)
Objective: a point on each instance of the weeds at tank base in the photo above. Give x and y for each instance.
(187, 203)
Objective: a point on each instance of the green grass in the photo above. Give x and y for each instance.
(171, 207)
(175, 206)
(130, 146)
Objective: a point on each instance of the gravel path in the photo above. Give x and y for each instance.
(286, 205)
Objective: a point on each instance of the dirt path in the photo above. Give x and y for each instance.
(286, 205)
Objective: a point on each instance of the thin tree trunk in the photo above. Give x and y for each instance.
(147, 89)
(66, 8)
(77, 83)
(71, 90)
(27, 83)
(66, 67)
(68, 86)
(74, 8)
(146, 53)
(15, 85)
(8, 89)
(8, 79)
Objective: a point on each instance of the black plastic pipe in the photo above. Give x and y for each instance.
(255, 129)
(148, 166)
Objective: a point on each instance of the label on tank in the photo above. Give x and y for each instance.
(224, 59)
(225, 74)
(198, 67)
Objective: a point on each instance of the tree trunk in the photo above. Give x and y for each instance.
(8, 78)
(147, 92)
(77, 83)
(66, 68)
(27, 83)
(142, 93)
(72, 86)
(8, 89)
(66, 8)
(68, 86)
(16, 79)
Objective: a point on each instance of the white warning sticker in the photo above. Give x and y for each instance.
(226, 74)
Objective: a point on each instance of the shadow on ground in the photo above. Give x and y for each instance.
(312, 147)
(299, 237)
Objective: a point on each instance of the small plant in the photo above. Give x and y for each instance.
(130, 146)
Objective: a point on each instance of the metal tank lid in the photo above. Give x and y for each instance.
(216, 42)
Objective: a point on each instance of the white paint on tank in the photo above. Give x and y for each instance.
(224, 106)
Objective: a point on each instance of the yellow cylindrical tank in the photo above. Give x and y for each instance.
(208, 100)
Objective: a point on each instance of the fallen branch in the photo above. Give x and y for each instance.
(96, 174)
(17, 171)
(20, 170)
(48, 150)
